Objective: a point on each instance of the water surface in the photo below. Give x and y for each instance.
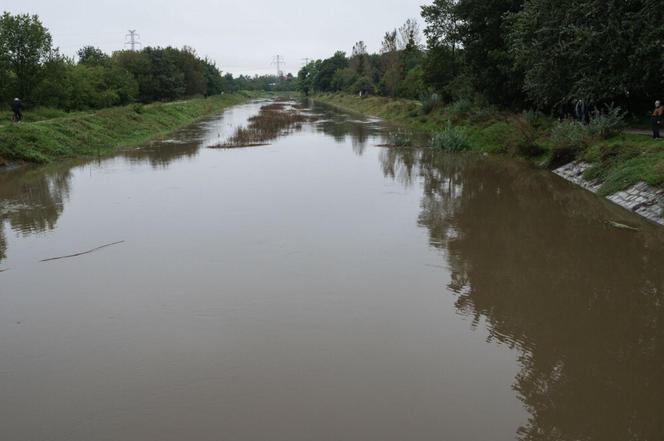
(323, 288)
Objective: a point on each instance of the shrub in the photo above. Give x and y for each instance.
(451, 139)
(462, 106)
(138, 108)
(568, 139)
(523, 142)
(607, 123)
(430, 102)
(534, 117)
(569, 134)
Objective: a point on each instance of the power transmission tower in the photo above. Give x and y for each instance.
(306, 61)
(132, 39)
(278, 60)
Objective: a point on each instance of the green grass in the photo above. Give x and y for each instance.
(618, 162)
(102, 132)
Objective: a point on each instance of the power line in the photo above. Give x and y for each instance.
(133, 39)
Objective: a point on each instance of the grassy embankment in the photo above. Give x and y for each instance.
(48, 135)
(619, 160)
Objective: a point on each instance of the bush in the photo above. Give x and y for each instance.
(534, 117)
(430, 102)
(462, 106)
(569, 134)
(523, 142)
(607, 123)
(451, 139)
(568, 139)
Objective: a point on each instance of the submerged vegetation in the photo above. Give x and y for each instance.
(274, 120)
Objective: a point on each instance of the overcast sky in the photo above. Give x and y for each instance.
(241, 36)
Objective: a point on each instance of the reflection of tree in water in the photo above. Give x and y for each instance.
(162, 155)
(3, 243)
(31, 201)
(338, 126)
(582, 302)
(399, 163)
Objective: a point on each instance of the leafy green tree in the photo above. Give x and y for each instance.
(193, 70)
(307, 75)
(213, 78)
(413, 85)
(325, 74)
(605, 51)
(442, 24)
(359, 60)
(25, 45)
(92, 56)
(483, 32)
(343, 80)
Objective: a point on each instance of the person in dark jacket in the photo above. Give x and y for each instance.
(582, 112)
(17, 106)
(657, 119)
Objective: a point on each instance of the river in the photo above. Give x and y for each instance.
(323, 288)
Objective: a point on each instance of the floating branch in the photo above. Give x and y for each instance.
(83, 253)
(620, 226)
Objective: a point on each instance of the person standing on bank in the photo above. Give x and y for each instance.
(17, 106)
(657, 119)
(582, 112)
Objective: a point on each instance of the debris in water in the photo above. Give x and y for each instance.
(83, 253)
(620, 226)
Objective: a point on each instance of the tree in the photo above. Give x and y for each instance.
(307, 75)
(92, 56)
(444, 61)
(214, 81)
(392, 63)
(442, 24)
(483, 32)
(409, 35)
(606, 51)
(410, 43)
(359, 60)
(323, 80)
(25, 45)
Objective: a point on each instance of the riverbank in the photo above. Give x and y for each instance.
(103, 132)
(614, 163)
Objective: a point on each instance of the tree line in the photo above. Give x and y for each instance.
(512, 53)
(33, 69)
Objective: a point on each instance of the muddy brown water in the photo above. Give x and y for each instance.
(323, 288)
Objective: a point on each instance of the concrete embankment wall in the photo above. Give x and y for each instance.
(641, 198)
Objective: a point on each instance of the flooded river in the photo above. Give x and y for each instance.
(323, 288)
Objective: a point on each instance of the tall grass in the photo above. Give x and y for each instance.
(451, 139)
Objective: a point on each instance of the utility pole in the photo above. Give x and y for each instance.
(132, 39)
(278, 60)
